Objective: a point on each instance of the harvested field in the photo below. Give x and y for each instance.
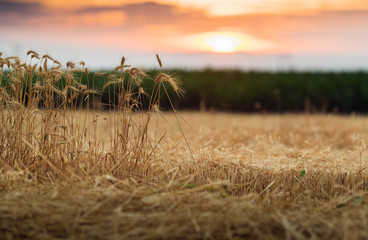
(244, 177)
(70, 172)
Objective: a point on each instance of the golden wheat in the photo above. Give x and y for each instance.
(174, 83)
(159, 60)
(70, 65)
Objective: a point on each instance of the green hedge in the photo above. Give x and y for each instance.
(275, 92)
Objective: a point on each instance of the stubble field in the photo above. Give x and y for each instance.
(241, 177)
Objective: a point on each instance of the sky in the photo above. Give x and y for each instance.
(191, 34)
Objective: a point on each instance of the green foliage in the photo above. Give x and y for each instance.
(251, 91)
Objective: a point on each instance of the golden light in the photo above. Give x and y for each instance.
(222, 43)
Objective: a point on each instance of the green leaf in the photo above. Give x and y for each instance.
(296, 179)
(302, 173)
(191, 186)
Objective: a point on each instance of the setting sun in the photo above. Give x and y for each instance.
(222, 43)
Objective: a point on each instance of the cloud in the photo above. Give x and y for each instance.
(19, 7)
(145, 8)
(338, 24)
(142, 23)
(135, 14)
(147, 12)
(20, 13)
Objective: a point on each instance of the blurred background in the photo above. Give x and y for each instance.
(235, 55)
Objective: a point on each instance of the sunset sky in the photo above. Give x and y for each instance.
(247, 34)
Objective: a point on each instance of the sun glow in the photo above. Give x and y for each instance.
(222, 43)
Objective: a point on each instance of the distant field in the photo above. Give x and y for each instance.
(251, 176)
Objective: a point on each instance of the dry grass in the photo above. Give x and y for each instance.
(68, 173)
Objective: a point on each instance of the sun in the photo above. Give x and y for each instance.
(222, 43)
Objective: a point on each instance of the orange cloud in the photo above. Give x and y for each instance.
(170, 27)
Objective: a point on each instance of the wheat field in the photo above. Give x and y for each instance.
(72, 172)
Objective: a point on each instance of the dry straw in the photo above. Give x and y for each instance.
(68, 171)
